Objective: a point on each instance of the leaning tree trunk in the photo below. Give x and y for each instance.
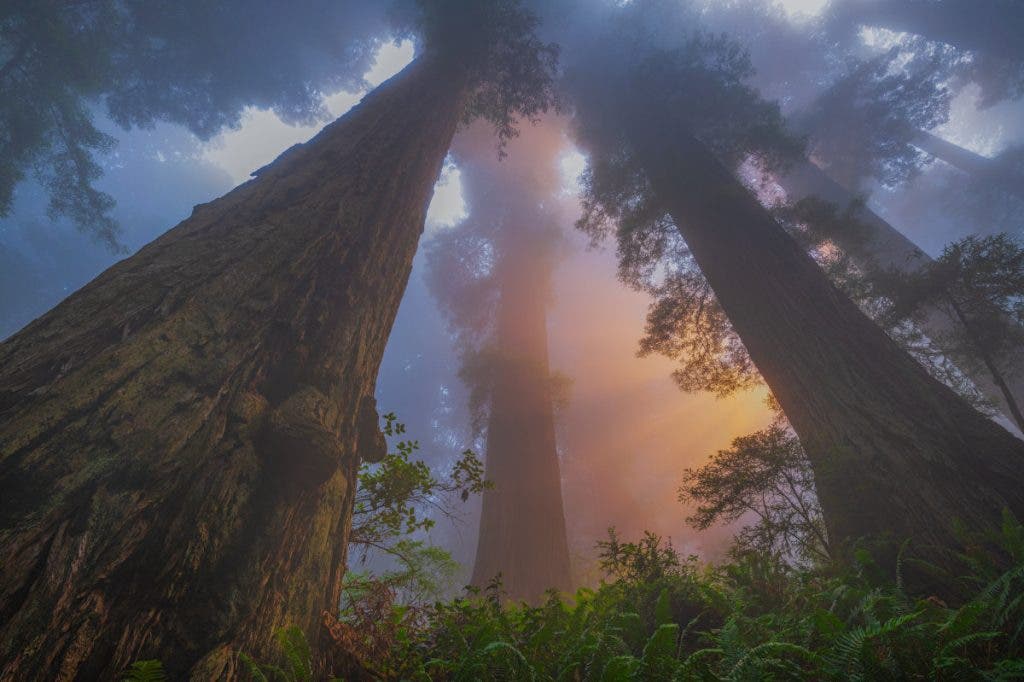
(885, 247)
(986, 26)
(894, 452)
(970, 162)
(180, 438)
(522, 522)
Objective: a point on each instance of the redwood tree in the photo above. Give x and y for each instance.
(894, 452)
(522, 521)
(491, 274)
(179, 438)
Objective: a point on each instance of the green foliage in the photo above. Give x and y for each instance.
(62, 64)
(494, 44)
(686, 323)
(145, 671)
(684, 86)
(865, 124)
(765, 475)
(395, 494)
(644, 561)
(297, 655)
(60, 57)
(755, 618)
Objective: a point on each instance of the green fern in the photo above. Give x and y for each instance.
(297, 654)
(297, 651)
(501, 660)
(146, 671)
(659, 660)
(620, 669)
(848, 655)
(758, 661)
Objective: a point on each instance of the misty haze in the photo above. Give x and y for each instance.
(511, 340)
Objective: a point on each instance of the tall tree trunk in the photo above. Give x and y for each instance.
(969, 162)
(522, 523)
(894, 452)
(884, 246)
(179, 439)
(989, 26)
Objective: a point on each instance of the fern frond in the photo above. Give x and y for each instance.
(146, 671)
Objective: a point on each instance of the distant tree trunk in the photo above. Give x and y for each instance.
(179, 439)
(991, 26)
(894, 452)
(887, 248)
(969, 162)
(522, 522)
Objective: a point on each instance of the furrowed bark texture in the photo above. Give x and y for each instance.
(969, 162)
(894, 452)
(887, 248)
(522, 523)
(179, 439)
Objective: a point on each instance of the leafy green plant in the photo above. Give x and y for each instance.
(145, 671)
(756, 617)
(298, 659)
(660, 616)
(395, 494)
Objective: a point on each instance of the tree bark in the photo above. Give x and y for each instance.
(894, 452)
(969, 162)
(887, 248)
(522, 523)
(179, 439)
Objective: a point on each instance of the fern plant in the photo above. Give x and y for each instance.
(145, 671)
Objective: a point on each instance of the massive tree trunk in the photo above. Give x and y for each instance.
(894, 452)
(522, 523)
(882, 245)
(179, 439)
(990, 26)
(970, 162)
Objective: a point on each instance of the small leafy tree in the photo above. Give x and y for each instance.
(765, 475)
(651, 558)
(391, 502)
(978, 281)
